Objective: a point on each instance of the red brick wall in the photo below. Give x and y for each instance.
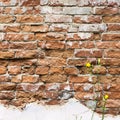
(45, 44)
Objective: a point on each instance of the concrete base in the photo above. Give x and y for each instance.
(72, 110)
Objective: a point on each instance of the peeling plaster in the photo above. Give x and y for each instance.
(69, 111)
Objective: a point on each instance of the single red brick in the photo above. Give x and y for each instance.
(41, 70)
(30, 78)
(14, 70)
(78, 79)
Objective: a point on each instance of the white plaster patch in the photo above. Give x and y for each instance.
(70, 111)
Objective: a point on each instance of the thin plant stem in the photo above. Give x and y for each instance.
(103, 112)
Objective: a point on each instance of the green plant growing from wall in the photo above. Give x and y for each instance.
(105, 97)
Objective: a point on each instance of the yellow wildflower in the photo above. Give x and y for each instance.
(88, 65)
(106, 97)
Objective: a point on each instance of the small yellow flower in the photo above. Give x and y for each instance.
(106, 97)
(88, 65)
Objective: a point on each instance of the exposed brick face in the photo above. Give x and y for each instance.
(45, 44)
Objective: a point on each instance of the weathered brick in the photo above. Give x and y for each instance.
(71, 70)
(77, 10)
(7, 19)
(41, 44)
(14, 70)
(83, 70)
(50, 95)
(29, 3)
(83, 87)
(73, 28)
(114, 71)
(79, 36)
(86, 53)
(78, 79)
(7, 95)
(41, 70)
(28, 69)
(84, 95)
(99, 70)
(17, 10)
(62, 2)
(106, 44)
(6, 55)
(55, 45)
(110, 37)
(108, 79)
(92, 2)
(3, 62)
(92, 27)
(4, 45)
(12, 28)
(26, 28)
(10, 86)
(23, 94)
(60, 53)
(30, 11)
(4, 78)
(113, 27)
(113, 87)
(111, 19)
(8, 3)
(29, 19)
(112, 54)
(23, 45)
(43, 2)
(46, 10)
(16, 78)
(113, 2)
(106, 10)
(50, 36)
(77, 62)
(26, 54)
(30, 78)
(19, 37)
(23, 62)
(73, 44)
(3, 70)
(53, 102)
(56, 70)
(54, 61)
(87, 19)
(110, 62)
(114, 95)
(54, 78)
(58, 19)
(89, 44)
(77, 44)
(112, 103)
(58, 28)
(28, 87)
(66, 86)
(39, 28)
(8, 10)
